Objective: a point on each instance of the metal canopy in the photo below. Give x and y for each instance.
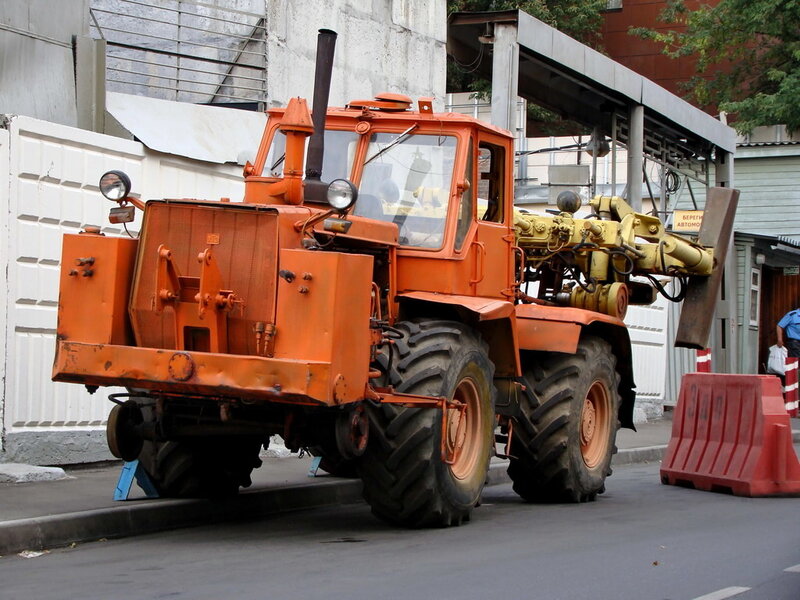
(580, 84)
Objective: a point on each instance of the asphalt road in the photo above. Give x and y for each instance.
(641, 540)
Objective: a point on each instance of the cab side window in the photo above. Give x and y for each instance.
(491, 195)
(465, 210)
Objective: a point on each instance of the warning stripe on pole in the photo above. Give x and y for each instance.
(704, 361)
(790, 387)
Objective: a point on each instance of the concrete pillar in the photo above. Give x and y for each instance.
(505, 76)
(90, 82)
(725, 316)
(635, 155)
(723, 169)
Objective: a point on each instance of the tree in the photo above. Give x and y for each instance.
(580, 19)
(748, 57)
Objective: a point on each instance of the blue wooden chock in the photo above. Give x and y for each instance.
(312, 470)
(130, 471)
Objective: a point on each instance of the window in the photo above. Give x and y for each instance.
(490, 186)
(406, 180)
(467, 201)
(337, 162)
(755, 296)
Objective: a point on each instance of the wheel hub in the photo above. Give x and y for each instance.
(352, 432)
(462, 438)
(122, 430)
(595, 425)
(588, 423)
(456, 430)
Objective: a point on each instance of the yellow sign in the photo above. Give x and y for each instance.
(687, 220)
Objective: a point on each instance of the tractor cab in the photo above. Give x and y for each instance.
(445, 184)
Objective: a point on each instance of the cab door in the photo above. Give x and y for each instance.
(491, 251)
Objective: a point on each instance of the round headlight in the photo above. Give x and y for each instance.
(341, 194)
(115, 185)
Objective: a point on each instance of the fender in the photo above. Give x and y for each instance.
(494, 318)
(509, 328)
(559, 329)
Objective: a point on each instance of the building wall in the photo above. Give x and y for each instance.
(767, 173)
(769, 180)
(644, 56)
(37, 71)
(383, 46)
(48, 187)
(780, 294)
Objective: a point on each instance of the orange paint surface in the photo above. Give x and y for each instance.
(96, 273)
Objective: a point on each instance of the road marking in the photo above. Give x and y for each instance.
(794, 569)
(728, 592)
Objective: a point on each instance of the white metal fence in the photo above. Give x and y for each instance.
(48, 187)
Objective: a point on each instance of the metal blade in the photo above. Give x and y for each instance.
(716, 230)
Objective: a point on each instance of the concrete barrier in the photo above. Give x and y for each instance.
(731, 433)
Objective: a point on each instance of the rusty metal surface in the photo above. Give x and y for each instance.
(201, 373)
(323, 314)
(244, 243)
(555, 328)
(716, 230)
(326, 301)
(95, 285)
(486, 308)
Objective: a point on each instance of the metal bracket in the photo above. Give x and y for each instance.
(389, 396)
(168, 287)
(211, 294)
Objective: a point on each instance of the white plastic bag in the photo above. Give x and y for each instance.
(776, 363)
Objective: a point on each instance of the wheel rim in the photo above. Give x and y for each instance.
(463, 442)
(595, 425)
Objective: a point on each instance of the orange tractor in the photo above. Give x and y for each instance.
(375, 300)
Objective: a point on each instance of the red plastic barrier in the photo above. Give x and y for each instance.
(731, 433)
(703, 359)
(790, 387)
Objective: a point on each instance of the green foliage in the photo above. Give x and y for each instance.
(580, 19)
(748, 57)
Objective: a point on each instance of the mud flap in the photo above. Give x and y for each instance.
(701, 296)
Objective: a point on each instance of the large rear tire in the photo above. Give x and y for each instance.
(213, 467)
(406, 480)
(561, 448)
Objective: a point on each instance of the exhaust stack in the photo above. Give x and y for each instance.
(326, 44)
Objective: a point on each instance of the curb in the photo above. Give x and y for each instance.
(645, 454)
(140, 517)
(145, 516)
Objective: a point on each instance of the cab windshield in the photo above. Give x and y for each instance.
(406, 180)
(337, 161)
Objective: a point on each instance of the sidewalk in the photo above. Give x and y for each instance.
(80, 508)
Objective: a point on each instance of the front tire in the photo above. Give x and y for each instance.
(563, 437)
(406, 481)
